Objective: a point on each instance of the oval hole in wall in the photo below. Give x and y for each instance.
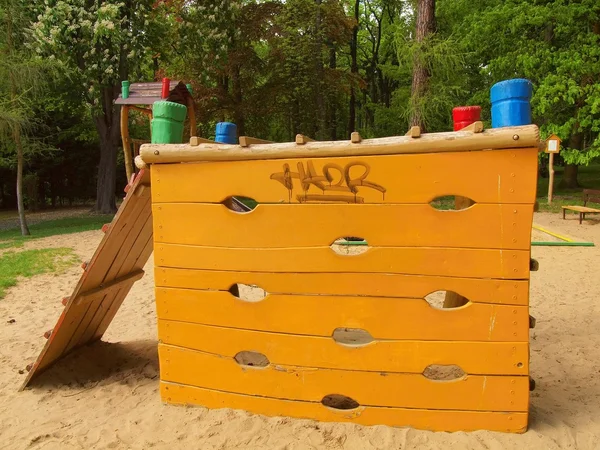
(451, 203)
(339, 401)
(240, 204)
(248, 292)
(352, 336)
(446, 300)
(439, 372)
(252, 359)
(348, 246)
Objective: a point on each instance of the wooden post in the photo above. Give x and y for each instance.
(192, 116)
(551, 178)
(125, 140)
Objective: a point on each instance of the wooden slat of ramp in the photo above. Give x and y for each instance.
(124, 250)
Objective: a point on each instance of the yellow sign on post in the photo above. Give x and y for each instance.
(552, 147)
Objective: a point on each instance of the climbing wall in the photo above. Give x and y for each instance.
(348, 337)
(106, 280)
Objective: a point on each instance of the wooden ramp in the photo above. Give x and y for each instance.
(116, 265)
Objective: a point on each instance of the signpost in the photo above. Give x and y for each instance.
(552, 147)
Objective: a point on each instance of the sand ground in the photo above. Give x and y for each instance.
(106, 395)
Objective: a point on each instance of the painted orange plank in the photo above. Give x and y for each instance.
(292, 225)
(470, 263)
(480, 358)
(472, 392)
(434, 420)
(319, 315)
(504, 176)
(372, 284)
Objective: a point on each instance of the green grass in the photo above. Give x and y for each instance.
(28, 263)
(589, 178)
(12, 238)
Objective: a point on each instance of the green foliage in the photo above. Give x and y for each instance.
(56, 227)
(28, 263)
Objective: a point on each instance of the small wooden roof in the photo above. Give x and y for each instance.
(148, 93)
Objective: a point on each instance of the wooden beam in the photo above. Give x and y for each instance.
(246, 141)
(475, 127)
(192, 115)
(146, 111)
(195, 140)
(457, 141)
(104, 289)
(414, 132)
(125, 139)
(301, 139)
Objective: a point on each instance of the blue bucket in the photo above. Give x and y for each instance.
(226, 133)
(511, 103)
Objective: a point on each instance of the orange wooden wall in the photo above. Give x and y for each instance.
(283, 246)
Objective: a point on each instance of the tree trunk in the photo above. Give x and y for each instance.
(332, 97)
(20, 205)
(238, 107)
(569, 179)
(107, 176)
(425, 27)
(318, 83)
(109, 130)
(353, 69)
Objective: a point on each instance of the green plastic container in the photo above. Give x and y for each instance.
(167, 122)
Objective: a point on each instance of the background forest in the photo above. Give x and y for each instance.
(323, 68)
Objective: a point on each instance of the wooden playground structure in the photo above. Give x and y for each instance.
(295, 351)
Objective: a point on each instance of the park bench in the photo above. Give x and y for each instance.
(589, 195)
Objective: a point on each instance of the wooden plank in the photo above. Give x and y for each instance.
(434, 420)
(360, 284)
(502, 176)
(481, 226)
(479, 358)
(140, 253)
(320, 315)
(114, 285)
(469, 263)
(247, 141)
(472, 392)
(456, 141)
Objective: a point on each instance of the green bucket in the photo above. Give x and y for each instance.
(167, 122)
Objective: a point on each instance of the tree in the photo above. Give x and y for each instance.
(20, 78)
(101, 43)
(556, 45)
(425, 27)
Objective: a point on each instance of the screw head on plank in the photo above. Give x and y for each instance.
(65, 300)
(48, 333)
(84, 265)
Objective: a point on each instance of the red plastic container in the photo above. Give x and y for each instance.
(463, 116)
(166, 87)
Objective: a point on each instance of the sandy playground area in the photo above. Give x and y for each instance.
(106, 395)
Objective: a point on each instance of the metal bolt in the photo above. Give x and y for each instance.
(515, 137)
(156, 152)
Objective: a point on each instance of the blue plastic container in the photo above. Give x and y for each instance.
(511, 103)
(226, 133)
